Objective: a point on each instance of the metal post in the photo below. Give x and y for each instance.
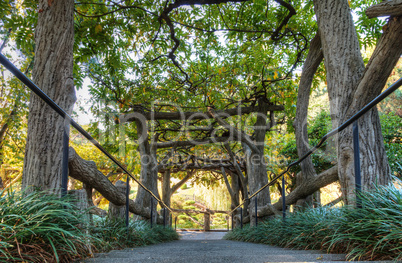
(241, 217)
(255, 209)
(356, 151)
(127, 200)
(227, 221)
(152, 211)
(283, 198)
(232, 220)
(64, 169)
(164, 217)
(175, 223)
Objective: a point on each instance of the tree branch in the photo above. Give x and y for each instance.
(182, 181)
(313, 60)
(302, 191)
(129, 117)
(237, 133)
(385, 8)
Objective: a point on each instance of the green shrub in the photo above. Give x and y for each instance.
(139, 233)
(373, 232)
(38, 227)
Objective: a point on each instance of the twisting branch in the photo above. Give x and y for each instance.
(240, 134)
(292, 12)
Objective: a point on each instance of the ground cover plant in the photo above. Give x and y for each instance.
(40, 227)
(115, 235)
(373, 232)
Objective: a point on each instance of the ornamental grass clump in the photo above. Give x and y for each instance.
(139, 233)
(373, 232)
(40, 227)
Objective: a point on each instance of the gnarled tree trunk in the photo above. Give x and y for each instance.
(310, 66)
(118, 211)
(350, 87)
(53, 73)
(256, 164)
(302, 191)
(149, 169)
(87, 172)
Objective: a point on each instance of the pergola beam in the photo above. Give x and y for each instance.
(132, 116)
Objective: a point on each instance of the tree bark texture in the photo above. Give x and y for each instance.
(345, 70)
(129, 117)
(256, 164)
(233, 188)
(87, 172)
(385, 8)
(149, 169)
(243, 182)
(310, 67)
(373, 158)
(118, 211)
(53, 73)
(302, 191)
(313, 60)
(81, 202)
(166, 189)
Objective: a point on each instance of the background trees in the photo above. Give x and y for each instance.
(207, 56)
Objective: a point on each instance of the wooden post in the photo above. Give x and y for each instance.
(81, 201)
(2, 176)
(207, 222)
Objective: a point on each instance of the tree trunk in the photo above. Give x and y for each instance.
(243, 182)
(302, 191)
(233, 188)
(81, 202)
(386, 8)
(149, 169)
(86, 172)
(166, 190)
(256, 164)
(345, 70)
(118, 211)
(53, 73)
(313, 60)
(373, 158)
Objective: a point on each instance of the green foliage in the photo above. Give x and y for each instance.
(115, 234)
(372, 232)
(40, 227)
(189, 202)
(391, 125)
(317, 127)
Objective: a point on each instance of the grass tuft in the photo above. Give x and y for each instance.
(41, 227)
(373, 232)
(139, 233)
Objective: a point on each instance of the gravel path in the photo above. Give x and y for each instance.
(209, 247)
